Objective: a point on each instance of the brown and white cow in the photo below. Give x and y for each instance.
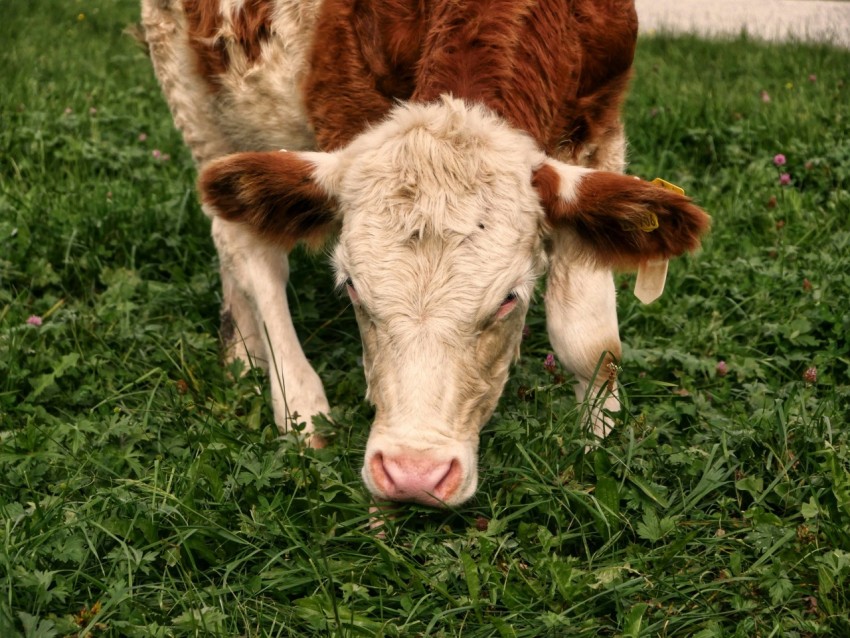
(455, 149)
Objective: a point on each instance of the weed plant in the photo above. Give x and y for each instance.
(143, 492)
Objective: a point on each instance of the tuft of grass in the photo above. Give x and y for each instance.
(143, 492)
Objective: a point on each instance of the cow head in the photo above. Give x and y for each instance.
(441, 213)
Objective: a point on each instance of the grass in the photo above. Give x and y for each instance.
(144, 493)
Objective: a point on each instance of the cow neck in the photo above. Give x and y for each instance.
(499, 53)
(555, 69)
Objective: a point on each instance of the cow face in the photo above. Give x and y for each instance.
(441, 213)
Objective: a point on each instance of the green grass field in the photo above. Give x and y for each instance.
(144, 493)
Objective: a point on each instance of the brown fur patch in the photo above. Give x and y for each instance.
(273, 193)
(610, 211)
(251, 26)
(552, 70)
(362, 60)
(469, 49)
(547, 182)
(390, 34)
(204, 26)
(555, 69)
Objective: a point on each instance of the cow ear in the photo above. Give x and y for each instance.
(283, 197)
(621, 220)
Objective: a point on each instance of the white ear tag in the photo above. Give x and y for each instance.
(652, 274)
(651, 277)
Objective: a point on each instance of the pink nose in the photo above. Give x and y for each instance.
(415, 478)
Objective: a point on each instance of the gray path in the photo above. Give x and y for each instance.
(807, 20)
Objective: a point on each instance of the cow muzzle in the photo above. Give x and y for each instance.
(438, 478)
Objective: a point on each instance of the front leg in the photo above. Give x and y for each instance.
(255, 274)
(581, 317)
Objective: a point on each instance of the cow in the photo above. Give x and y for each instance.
(451, 152)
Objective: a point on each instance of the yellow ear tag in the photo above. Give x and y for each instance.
(670, 187)
(652, 274)
(648, 222)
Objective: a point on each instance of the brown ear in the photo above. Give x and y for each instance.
(276, 194)
(622, 220)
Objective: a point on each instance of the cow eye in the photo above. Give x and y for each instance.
(351, 290)
(508, 304)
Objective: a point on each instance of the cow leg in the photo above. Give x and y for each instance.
(256, 324)
(241, 338)
(254, 277)
(581, 310)
(165, 34)
(581, 317)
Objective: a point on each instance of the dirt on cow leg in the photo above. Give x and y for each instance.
(239, 333)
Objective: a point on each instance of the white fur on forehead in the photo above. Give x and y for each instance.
(441, 169)
(449, 118)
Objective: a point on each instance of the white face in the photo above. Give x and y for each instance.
(439, 250)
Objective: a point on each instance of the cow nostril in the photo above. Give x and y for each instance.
(380, 476)
(450, 481)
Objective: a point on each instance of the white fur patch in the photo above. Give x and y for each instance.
(570, 178)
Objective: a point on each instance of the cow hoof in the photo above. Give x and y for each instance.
(316, 441)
